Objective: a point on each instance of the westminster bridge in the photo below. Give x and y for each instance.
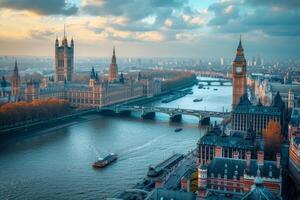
(221, 82)
(175, 114)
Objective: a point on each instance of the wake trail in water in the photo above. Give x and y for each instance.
(97, 152)
(124, 152)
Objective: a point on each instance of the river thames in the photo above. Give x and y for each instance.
(56, 163)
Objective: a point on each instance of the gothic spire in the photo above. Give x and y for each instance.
(93, 75)
(240, 43)
(113, 59)
(240, 52)
(64, 30)
(16, 70)
(64, 40)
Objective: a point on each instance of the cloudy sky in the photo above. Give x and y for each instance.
(152, 28)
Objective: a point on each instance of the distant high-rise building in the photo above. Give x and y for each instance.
(15, 82)
(259, 61)
(113, 68)
(291, 99)
(222, 61)
(238, 76)
(64, 60)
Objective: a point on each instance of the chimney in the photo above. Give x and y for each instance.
(235, 155)
(218, 151)
(248, 158)
(260, 158)
(278, 160)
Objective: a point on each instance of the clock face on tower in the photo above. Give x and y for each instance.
(238, 70)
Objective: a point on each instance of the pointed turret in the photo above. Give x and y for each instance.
(56, 42)
(15, 82)
(72, 42)
(64, 40)
(113, 68)
(97, 77)
(277, 101)
(93, 75)
(139, 76)
(122, 80)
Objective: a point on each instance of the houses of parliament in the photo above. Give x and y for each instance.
(113, 89)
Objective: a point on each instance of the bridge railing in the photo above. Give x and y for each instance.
(168, 110)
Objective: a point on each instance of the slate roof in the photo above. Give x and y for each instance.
(239, 58)
(250, 109)
(237, 167)
(161, 193)
(259, 192)
(295, 117)
(227, 141)
(284, 89)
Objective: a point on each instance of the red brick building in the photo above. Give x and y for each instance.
(234, 176)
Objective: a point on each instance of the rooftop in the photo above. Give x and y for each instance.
(237, 167)
(295, 117)
(227, 141)
(284, 88)
(161, 193)
(250, 109)
(259, 192)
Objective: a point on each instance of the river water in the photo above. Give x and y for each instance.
(56, 163)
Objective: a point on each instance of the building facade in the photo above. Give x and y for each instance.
(239, 84)
(235, 176)
(294, 148)
(257, 117)
(95, 93)
(214, 144)
(266, 89)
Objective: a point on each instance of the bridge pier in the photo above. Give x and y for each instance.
(124, 113)
(148, 115)
(107, 112)
(204, 121)
(176, 118)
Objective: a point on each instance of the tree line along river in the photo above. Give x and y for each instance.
(57, 163)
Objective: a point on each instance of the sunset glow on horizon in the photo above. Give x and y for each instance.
(151, 28)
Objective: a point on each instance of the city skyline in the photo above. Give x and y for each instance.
(177, 28)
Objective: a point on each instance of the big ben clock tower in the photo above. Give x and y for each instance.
(238, 76)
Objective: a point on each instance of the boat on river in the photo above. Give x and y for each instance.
(197, 100)
(178, 129)
(102, 162)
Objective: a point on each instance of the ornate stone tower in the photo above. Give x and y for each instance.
(15, 82)
(64, 60)
(238, 76)
(113, 68)
(202, 181)
(32, 90)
